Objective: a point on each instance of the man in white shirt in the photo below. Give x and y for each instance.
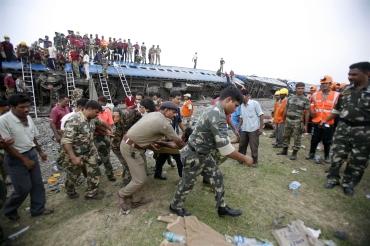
(80, 104)
(21, 159)
(52, 57)
(85, 61)
(251, 126)
(195, 60)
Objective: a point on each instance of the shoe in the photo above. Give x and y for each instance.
(294, 155)
(206, 182)
(111, 178)
(124, 203)
(160, 177)
(283, 152)
(255, 164)
(331, 184)
(227, 211)
(97, 196)
(179, 211)
(311, 156)
(46, 211)
(141, 202)
(348, 191)
(13, 217)
(73, 195)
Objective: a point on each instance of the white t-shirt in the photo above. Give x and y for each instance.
(86, 58)
(52, 52)
(250, 113)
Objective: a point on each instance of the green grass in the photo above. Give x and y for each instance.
(261, 192)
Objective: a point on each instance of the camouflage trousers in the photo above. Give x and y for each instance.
(126, 175)
(293, 128)
(351, 144)
(105, 69)
(76, 69)
(73, 172)
(194, 165)
(102, 144)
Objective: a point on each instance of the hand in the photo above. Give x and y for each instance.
(76, 160)
(28, 163)
(259, 132)
(305, 129)
(9, 141)
(44, 157)
(154, 146)
(248, 160)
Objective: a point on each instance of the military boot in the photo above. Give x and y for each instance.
(222, 211)
(284, 151)
(294, 155)
(311, 156)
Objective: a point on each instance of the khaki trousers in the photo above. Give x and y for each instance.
(136, 164)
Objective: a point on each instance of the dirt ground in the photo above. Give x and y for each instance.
(262, 193)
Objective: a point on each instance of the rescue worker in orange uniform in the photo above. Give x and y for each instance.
(187, 110)
(322, 103)
(279, 118)
(276, 104)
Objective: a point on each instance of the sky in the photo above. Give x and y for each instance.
(300, 40)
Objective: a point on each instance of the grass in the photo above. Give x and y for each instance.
(261, 192)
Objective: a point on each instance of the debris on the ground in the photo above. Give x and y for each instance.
(303, 169)
(295, 171)
(278, 221)
(239, 240)
(18, 233)
(296, 233)
(368, 196)
(294, 185)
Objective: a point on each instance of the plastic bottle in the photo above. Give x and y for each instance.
(173, 237)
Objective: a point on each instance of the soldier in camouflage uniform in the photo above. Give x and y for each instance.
(80, 151)
(352, 135)
(104, 60)
(104, 123)
(122, 122)
(296, 117)
(77, 94)
(209, 136)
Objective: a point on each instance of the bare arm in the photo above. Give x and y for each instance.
(69, 150)
(55, 131)
(240, 157)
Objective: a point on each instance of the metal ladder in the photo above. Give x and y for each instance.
(104, 87)
(122, 78)
(70, 83)
(30, 89)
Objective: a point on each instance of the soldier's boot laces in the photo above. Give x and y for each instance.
(284, 151)
(294, 155)
(227, 211)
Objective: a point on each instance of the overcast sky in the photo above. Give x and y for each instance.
(299, 40)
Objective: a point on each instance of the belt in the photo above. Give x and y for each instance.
(128, 141)
(363, 123)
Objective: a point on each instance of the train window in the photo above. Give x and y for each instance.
(177, 71)
(191, 72)
(169, 70)
(160, 69)
(202, 73)
(143, 68)
(132, 66)
(152, 68)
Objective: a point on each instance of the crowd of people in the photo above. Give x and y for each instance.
(79, 50)
(87, 134)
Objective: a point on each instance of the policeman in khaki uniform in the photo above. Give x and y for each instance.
(352, 135)
(145, 134)
(80, 151)
(209, 136)
(296, 117)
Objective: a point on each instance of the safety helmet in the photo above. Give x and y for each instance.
(277, 93)
(326, 79)
(284, 91)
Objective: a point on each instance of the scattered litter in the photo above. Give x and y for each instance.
(56, 175)
(329, 243)
(296, 233)
(295, 171)
(303, 147)
(18, 233)
(342, 235)
(173, 237)
(294, 185)
(278, 221)
(52, 181)
(368, 196)
(303, 169)
(239, 240)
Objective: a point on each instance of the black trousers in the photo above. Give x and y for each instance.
(25, 182)
(324, 134)
(251, 139)
(162, 158)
